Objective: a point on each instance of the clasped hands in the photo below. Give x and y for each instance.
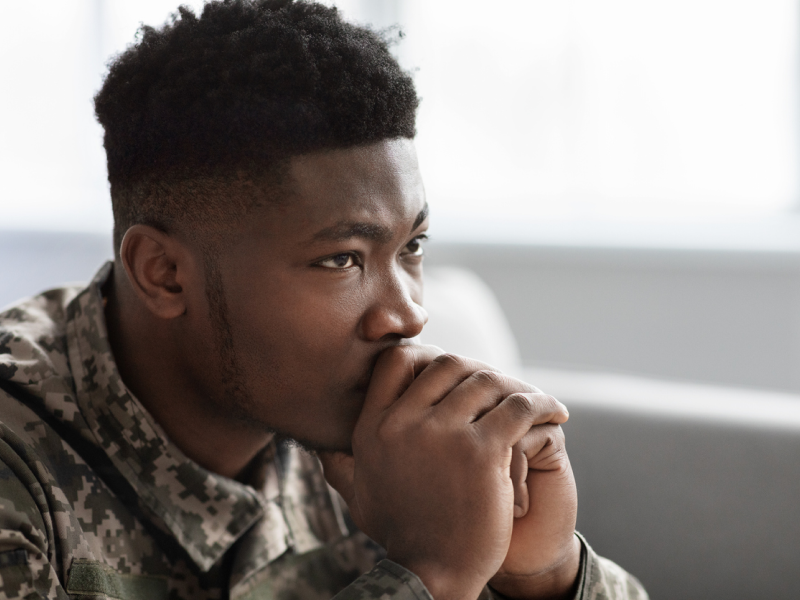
(460, 472)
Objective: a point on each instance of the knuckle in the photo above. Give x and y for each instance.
(554, 435)
(487, 378)
(449, 360)
(560, 449)
(522, 404)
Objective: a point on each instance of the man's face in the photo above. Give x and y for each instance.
(317, 286)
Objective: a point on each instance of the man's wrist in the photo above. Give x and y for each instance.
(558, 583)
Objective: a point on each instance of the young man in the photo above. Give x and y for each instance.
(269, 216)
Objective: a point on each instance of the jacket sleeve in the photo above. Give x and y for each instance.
(25, 569)
(598, 579)
(387, 580)
(26, 574)
(602, 579)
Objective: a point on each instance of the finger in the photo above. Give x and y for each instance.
(394, 371)
(543, 447)
(480, 392)
(514, 416)
(439, 378)
(339, 471)
(519, 476)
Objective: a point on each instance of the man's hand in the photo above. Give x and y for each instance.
(544, 556)
(430, 476)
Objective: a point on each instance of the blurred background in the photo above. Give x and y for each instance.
(615, 192)
(637, 162)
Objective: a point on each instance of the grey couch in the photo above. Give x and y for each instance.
(693, 488)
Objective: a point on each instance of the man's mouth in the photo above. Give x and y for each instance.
(363, 383)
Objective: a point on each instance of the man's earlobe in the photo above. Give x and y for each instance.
(156, 265)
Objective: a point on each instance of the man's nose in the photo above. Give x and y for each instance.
(393, 312)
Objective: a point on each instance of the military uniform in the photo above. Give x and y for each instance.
(96, 502)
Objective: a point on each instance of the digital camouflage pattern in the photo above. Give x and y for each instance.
(96, 502)
(602, 579)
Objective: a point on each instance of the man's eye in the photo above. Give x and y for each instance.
(340, 261)
(414, 247)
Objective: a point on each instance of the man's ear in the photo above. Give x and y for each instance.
(157, 266)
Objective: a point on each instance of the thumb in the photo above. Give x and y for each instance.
(339, 470)
(519, 476)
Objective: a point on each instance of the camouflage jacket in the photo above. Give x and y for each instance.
(96, 502)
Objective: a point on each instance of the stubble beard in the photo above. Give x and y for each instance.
(236, 400)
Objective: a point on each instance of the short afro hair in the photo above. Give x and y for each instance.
(240, 89)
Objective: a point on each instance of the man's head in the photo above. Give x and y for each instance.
(263, 175)
(199, 110)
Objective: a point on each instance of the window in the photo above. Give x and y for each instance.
(622, 107)
(543, 108)
(52, 56)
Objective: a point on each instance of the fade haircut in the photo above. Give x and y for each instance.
(200, 109)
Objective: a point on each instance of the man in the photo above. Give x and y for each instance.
(269, 217)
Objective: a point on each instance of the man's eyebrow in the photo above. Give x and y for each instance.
(345, 230)
(423, 214)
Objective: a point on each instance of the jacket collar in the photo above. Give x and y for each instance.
(205, 512)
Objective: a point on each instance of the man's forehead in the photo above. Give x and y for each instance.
(383, 167)
(366, 191)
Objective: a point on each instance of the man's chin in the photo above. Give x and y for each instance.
(325, 430)
(330, 437)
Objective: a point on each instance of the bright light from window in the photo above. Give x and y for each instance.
(581, 108)
(52, 56)
(571, 108)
